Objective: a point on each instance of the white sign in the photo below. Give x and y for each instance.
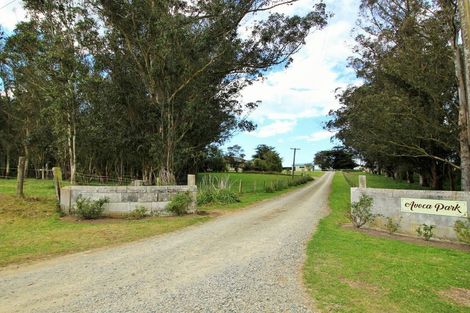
(432, 206)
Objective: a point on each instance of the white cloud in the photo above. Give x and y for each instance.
(306, 88)
(276, 128)
(317, 136)
(11, 13)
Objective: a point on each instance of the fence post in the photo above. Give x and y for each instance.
(240, 187)
(57, 175)
(362, 181)
(20, 177)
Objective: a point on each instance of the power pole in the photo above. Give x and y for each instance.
(293, 162)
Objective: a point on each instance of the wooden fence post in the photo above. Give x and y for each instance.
(20, 177)
(240, 187)
(57, 174)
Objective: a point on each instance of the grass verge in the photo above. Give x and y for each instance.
(347, 271)
(31, 229)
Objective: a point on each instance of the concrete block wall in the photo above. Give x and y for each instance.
(124, 199)
(387, 202)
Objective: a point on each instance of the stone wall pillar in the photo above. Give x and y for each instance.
(192, 192)
(362, 181)
(191, 180)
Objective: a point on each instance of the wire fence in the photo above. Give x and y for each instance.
(251, 183)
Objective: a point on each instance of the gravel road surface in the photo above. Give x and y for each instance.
(248, 261)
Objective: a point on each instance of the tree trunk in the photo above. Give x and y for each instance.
(26, 161)
(451, 174)
(436, 177)
(20, 177)
(71, 147)
(410, 177)
(7, 164)
(461, 68)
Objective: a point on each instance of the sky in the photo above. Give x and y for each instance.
(295, 101)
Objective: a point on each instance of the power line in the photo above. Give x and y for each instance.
(7, 4)
(293, 161)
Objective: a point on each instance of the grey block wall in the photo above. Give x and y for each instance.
(124, 199)
(387, 202)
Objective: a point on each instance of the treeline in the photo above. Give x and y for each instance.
(265, 159)
(411, 113)
(141, 88)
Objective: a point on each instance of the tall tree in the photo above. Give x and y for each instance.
(266, 158)
(405, 112)
(192, 59)
(70, 35)
(235, 155)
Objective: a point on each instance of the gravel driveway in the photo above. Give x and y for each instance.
(248, 261)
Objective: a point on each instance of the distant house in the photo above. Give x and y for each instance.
(307, 167)
(235, 164)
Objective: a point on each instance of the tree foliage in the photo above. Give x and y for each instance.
(339, 158)
(266, 159)
(406, 113)
(138, 88)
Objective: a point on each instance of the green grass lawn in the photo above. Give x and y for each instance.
(250, 182)
(31, 228)
(379, 181)
(348, 271)
(32, 187)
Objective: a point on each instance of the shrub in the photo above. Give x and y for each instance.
(391, 225)
(88, 209)
(205, 196)
(463, 230)
(360, 213)
(138, 213)
(179, 205)
(225, 196)
(425, 231)
(269, 188)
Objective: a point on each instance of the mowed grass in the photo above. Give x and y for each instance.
(31, 187)
(31, 229)
(379, 181)
(348, 271)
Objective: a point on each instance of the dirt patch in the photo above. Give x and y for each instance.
(418, 241)
(212, 213)
(460, 296)
(357, 284)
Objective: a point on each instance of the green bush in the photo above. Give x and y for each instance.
(360, 213)
(88, 209)
(391, 225)
(425, 231)
(463, 230)
(205, 196)
(226, 196)
(223, 196)
(180, 203)
(137, 214)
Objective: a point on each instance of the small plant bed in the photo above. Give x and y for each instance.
(351, 270)
(407, 238)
